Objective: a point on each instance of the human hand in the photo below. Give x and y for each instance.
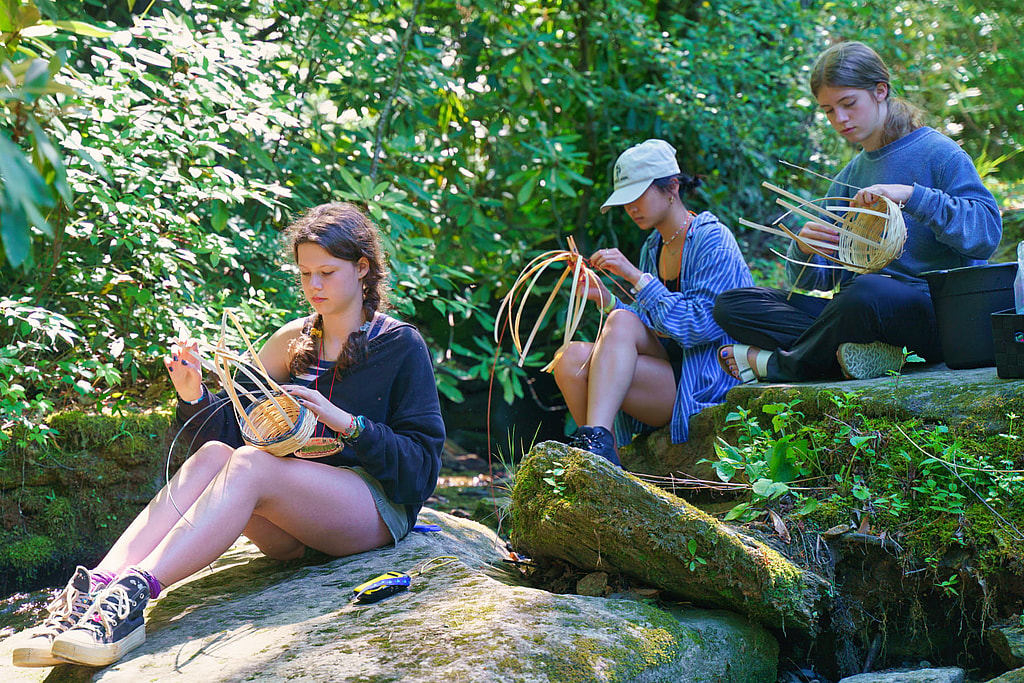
(613, 261)
(869, 195)
(326, 412)
(183, 366)
(817, 232)
(597, 292)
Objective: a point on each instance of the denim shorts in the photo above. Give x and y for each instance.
(393, 514)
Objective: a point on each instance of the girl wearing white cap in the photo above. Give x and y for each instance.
(952, 221)
(654, 363)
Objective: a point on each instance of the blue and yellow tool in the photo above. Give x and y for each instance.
(389, 583)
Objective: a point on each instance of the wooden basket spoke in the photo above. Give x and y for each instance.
(870, 238)
(513, 305)
(274, 420)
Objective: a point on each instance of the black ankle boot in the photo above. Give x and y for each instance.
(598, 441)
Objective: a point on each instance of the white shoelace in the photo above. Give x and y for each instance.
(62, 607)
(122, 607)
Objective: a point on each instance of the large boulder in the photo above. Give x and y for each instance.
(570, 505)
(254, 619)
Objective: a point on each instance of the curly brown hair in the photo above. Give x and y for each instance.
(345, 233)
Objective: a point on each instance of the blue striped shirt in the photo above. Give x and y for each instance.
(712, 263)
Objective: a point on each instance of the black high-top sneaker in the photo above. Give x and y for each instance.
(66, 609)
(111, 628)
(598, 441)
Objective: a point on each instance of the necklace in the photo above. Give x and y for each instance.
(323, 445)
(681, 228)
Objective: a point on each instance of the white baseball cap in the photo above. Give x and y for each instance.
(638, 167)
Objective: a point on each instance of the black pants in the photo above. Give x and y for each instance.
(805, 331)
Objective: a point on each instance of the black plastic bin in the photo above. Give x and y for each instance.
(964, 300)
(1008, 343)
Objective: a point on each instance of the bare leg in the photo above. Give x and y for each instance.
(626, 369)
(326, 508)
(166, 508)
(614, 370)
(572, 375)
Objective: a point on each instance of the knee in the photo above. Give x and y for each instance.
(856, 299)
(210, 458)
(571, 360)
(726, 305)
(621, 325)
(250, 459)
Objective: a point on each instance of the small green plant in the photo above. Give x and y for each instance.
(949, 585)
(767, 458)
(554, 478)
(695, 559)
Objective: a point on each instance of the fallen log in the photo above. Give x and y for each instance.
(571, 505)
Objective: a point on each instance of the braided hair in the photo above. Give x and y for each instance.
(344, 232)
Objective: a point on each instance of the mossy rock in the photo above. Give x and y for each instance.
(471, 620)
(63, 503)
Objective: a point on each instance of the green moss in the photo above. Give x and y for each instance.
(74, 496)
(25, 555)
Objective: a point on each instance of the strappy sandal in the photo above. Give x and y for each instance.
(751, 362)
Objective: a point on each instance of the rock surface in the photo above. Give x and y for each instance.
(948, 674)
(974, 399)
(573, 506)
(258, 620)
(1008, 643)
(1015, 676)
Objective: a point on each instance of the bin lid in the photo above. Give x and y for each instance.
(971, 279)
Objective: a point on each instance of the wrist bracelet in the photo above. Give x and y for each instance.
(357, 427)
(610, 306)
(202, 395)
(347, 431)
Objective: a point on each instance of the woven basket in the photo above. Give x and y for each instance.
(883, 233)
(275, 421)
(870, 238)
(276, 432)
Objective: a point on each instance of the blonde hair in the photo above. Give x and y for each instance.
(853, 64)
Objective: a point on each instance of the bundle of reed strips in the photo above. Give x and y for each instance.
(575, 265)
(274, 421)
(870, 238)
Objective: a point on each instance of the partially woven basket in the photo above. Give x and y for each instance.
(870, 238)
(278, 427)
(276, 423)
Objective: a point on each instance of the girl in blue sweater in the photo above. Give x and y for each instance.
(368, 379)
(952, 221)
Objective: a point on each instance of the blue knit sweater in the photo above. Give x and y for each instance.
(952, 219)
(712, 263)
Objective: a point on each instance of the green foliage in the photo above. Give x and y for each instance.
(152, 153)
(923, 486)
(769, 459)
(33, 177)
(555, 478)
